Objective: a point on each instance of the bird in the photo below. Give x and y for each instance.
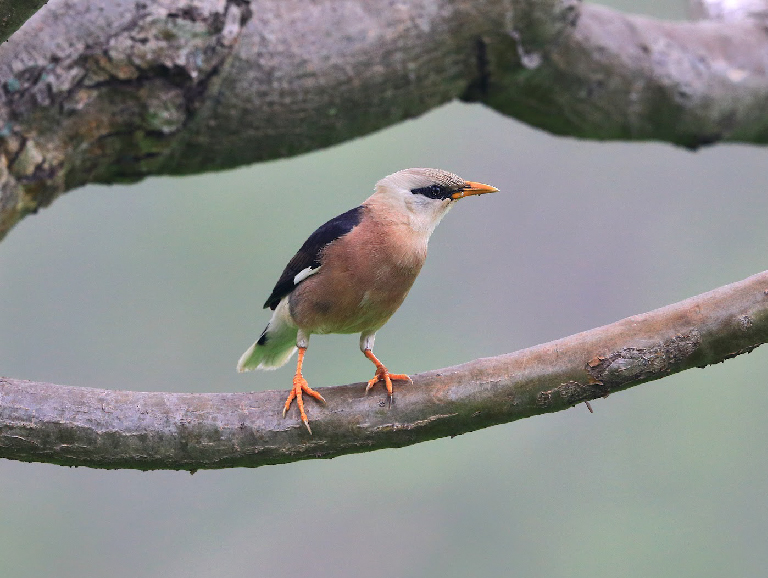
(353, 273)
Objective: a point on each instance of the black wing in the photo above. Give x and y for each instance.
(310, 252)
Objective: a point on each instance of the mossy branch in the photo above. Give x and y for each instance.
(112, 90)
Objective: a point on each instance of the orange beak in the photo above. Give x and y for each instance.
(473, 188)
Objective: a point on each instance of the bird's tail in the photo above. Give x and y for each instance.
(275, 346)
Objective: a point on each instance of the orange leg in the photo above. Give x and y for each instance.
(300, 386)
(382, 374)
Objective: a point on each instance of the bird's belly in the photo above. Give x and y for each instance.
(319, 306)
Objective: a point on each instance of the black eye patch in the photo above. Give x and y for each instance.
(433, 191)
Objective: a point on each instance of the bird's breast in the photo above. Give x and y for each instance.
(363, 278)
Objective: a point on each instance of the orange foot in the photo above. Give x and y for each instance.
(301, 386)
(382, 374)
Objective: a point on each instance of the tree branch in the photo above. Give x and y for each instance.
(121, 429)
(116, 90)
(615, 76)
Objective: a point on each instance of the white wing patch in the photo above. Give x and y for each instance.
(303, 274)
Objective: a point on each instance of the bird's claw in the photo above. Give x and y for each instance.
(300, 386)
(382, 374)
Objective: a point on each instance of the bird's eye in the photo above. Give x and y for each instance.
(432, 191)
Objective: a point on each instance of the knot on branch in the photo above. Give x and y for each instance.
(631, 364)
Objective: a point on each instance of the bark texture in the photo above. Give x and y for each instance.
(114, 90)
(121, 429)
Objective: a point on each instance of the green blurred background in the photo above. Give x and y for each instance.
(158, 286)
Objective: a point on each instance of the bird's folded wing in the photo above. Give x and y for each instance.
(309, 258)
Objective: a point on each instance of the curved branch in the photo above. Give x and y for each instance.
(121, 429)
(116, 90)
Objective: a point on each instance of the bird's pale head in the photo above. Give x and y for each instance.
(424, 195)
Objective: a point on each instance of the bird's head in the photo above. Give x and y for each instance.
(423, 196)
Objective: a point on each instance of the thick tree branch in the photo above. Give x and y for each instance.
(109, 90)
(632, 78)
(121, 429)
